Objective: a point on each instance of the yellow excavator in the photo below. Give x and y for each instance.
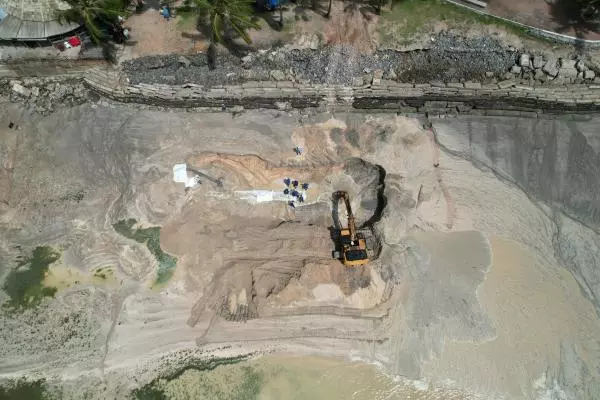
(353, 246)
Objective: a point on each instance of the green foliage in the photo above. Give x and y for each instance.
(24, 390)
(24, 284)
(222, 15)
(589, 10)
(92, 14)
(409, 19)
(151, 238)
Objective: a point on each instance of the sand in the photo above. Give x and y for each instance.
(465, 289)
(532, 307)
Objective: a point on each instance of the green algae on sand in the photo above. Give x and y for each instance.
(25, 389)
(158, 389)
(151, 238)
(24, 285)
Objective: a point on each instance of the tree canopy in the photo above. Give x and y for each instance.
(226, 14)
(92, 14)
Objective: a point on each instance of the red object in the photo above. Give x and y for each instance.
(74, 41)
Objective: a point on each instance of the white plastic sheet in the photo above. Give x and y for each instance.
(180, 175)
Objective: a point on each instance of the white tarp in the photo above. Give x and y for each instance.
(264, 196)
(180, 175)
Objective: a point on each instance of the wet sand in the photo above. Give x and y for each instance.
(535, 309)
(301, 378)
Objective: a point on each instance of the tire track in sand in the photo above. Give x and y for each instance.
(450, 207)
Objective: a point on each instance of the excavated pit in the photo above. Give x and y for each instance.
(247, 282)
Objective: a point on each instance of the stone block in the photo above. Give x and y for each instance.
(285, 84)
(378, 74)
(538, 62)
(357, 81)
(290, 91)
(524, 87)
(540, 75)
(455, 85)
(253, 92)
(506, 84)
(437, 84)
(388, 83)
(516, 70)
(277, 75)
(568, 72)
(308, 92)
(251, 84)
(566, 63)
(472, 85)
(551, 68)
(589, 74)
(525, 61)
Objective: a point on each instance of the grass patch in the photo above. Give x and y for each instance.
(411, 18)
(23, 389)
(24, 284)
(151, 238)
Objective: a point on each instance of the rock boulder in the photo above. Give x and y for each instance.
(551, 68)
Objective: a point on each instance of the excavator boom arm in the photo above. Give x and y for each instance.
(351, 221)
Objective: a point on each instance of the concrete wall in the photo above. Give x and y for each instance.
(503, 98)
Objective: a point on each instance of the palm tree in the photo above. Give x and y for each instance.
(590, 10)
(223, 15)
(91, 14)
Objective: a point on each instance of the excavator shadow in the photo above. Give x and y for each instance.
(217, 181)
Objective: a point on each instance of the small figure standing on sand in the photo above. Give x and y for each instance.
(298, 150)
(165, 11)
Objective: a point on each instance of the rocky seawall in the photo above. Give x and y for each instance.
(450, 59)
(477, 76)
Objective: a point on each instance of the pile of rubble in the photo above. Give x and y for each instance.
(555, 70)
(44, 95)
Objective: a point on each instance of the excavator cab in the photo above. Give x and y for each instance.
(353, 247)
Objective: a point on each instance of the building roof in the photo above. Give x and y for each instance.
(32, 19)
